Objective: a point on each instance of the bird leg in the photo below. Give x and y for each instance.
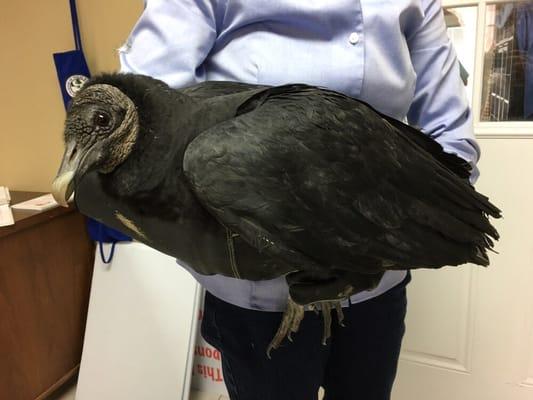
(326, 307)
(340, 314)
(326, 316)
(293, 316)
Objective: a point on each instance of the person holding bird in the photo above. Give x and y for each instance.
(257, 152)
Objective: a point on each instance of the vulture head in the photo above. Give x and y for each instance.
(119, 118)
(101, 129)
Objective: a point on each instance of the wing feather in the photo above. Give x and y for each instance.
(322, 175)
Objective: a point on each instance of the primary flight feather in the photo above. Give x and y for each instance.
(256, 182)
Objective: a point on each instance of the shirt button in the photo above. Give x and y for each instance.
(354, 38)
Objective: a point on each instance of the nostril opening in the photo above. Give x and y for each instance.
(73, 154)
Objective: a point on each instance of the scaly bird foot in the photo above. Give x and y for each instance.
(293, 315)
(290, 323)
(326, 307)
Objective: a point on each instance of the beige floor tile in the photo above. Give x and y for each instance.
(206, 396)
(69, 395)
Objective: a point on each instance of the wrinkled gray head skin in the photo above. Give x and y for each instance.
(101, 127)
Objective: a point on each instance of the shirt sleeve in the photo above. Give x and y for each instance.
(171, 40)
(440, 106)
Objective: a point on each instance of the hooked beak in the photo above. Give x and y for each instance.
(63, 185)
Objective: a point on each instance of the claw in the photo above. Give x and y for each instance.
(290, 323)
(340, 314)
(327, 306)
(326, 315)
(293, 315)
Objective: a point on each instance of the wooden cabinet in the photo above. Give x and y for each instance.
(46, 261)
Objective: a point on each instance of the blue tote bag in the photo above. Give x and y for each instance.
(71, 67)
(72, 73)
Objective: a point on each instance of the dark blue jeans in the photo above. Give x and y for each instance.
(358, 362)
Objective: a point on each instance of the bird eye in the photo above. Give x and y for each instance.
(102, 119)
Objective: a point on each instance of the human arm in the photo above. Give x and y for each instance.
(171, 40)
(440, 107)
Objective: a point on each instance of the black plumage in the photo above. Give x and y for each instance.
(302, 181)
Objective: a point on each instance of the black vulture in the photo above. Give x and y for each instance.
(257, 182)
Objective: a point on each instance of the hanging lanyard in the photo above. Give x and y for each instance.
(75, 25)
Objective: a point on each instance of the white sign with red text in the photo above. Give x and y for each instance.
(207, 367)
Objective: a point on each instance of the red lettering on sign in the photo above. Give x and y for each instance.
(219, 377)
(199, 351)
(207, 351)
(208, 372)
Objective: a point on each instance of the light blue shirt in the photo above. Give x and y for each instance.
(393, 54)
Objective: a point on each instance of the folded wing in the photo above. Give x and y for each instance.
(318, 178)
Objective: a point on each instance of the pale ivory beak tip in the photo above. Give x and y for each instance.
(62, 190)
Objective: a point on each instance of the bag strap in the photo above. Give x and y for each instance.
(75, 25)
(111, 253)
(101, 247)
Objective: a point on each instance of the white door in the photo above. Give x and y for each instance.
(470, 329)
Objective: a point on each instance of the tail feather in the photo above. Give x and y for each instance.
(480, 257)
(474, 218)
(464, 194)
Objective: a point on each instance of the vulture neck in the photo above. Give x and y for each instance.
(167, 128)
